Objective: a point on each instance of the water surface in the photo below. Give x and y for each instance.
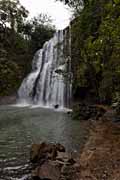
(22, 126)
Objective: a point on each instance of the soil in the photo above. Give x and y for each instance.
(100, 159)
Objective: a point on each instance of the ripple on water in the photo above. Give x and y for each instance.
(20, 127)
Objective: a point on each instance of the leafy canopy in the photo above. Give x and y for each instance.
(12, 13)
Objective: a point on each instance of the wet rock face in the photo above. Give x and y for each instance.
(53, 163)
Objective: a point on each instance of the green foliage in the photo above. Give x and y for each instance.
(39, 29)
(117, 1)
(18, 42)
(9, 77)
(12, 12)
(96, 49)
(76, 5)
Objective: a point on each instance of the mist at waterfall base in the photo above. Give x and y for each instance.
(49, 83)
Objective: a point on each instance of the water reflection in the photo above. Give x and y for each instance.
(20, 127)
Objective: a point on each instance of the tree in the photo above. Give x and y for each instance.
(72, 3)
(39, 30)
(12, 13)
(42, 19)
(19, 39)
(96, 48)
(76, 5)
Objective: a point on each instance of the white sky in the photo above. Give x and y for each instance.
(59, 12)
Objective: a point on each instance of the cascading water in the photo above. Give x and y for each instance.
(49, 82)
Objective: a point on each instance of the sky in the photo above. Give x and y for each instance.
(59, 12)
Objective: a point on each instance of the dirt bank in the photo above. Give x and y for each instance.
(100, 159)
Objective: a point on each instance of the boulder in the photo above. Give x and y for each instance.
(43, 151)
(69, 112)
(62, 156)
(49, 170)
(56, 106)
(53, 163)
(34, 153)
(66, 158)
(60, 147)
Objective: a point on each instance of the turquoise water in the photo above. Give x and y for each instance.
(22, 126)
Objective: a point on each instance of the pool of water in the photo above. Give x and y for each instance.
(22, 126)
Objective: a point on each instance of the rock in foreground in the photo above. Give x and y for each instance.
(51, 162)
(99, 159)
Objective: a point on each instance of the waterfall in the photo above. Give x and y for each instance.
(49, 83)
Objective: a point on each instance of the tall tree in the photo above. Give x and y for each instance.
(39, 30)
(12, 13)
(76, 5)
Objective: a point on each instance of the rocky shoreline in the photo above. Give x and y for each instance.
(52, 162)
(99, 159)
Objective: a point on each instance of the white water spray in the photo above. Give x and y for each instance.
(47, 84)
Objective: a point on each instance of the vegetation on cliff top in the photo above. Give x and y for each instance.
(96, 49)
(19, 39)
